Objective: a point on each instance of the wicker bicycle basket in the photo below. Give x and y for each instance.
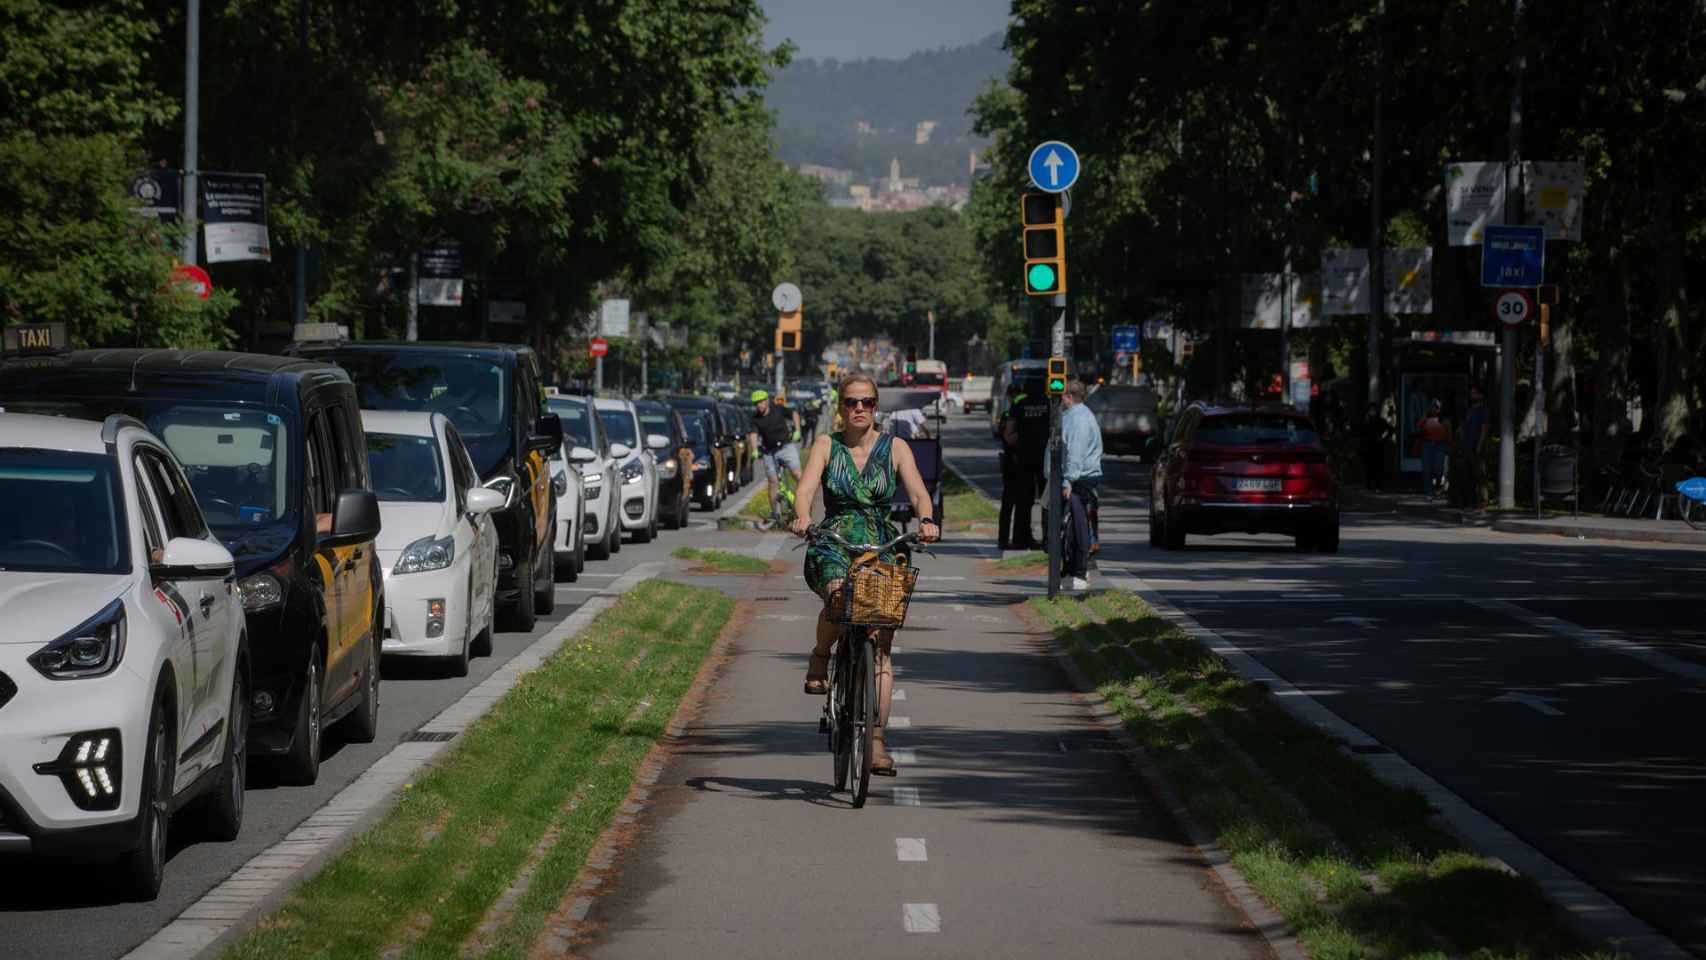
(876, 594)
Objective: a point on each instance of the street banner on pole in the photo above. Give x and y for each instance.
(1264, 301)
(1408, 274)
(1474, 200)
(1125, 339)
(234, 217)
(613, 318)
(439, 276)
(1552, 197)
(159, 194)
(513, 312)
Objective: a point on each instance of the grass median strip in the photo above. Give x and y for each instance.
(963, 505)
(1022, 561)
(551, 762)
(1353, 865)
(722, 561)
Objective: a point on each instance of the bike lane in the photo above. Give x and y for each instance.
(1013, 829)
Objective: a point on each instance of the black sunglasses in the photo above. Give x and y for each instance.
(851, 403)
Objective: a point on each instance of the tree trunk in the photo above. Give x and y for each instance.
(1610, 425)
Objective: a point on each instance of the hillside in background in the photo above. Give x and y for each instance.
(858, 115)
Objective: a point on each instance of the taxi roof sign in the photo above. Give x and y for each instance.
(35, 338)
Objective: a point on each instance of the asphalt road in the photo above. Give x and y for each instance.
(53, 910)
(1557, 685)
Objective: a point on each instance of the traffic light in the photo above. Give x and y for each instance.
(1056, 376)
(787, 340)
(788, 324)
(1045, 243)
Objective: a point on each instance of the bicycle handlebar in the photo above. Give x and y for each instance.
(815, 533)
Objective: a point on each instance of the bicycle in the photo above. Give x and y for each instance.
(782, 507)
(850, 707)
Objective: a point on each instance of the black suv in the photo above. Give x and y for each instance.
(274, 450)
(493, 393)
(723, 439)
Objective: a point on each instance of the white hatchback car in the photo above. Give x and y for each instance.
(124, 667)
(437, 544)
(636, 467)
(589, 452)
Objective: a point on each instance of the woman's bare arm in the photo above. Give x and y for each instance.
(811, 478)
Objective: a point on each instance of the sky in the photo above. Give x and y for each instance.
(889, 29)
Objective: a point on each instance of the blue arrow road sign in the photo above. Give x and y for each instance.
(1513, 256)
(1054, 166)
(1125, 339)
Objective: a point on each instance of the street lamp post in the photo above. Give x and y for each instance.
(192, 119)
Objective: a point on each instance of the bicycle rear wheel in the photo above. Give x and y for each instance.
(863, 701)
(840, 727)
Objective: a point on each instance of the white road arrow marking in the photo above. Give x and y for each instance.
(1367, 623)
(1542, 704)
(1053, 163)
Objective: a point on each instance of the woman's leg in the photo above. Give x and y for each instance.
(817, 671)
(881, 762)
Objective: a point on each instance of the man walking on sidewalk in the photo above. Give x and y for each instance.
(1081, 471)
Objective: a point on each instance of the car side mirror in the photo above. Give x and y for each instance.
(354, 519)
(187, 558)
(582, 455)
(483, 500)
(547, 434)
(657, 441)
(620, 450)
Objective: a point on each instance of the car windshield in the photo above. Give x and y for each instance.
(657, 423)
(697, 431)
(620, 425)
(1255, 428)
(1123, 399)
(234, 455)
(405, 469)
(577, 424)
(65, 513)
(472, 392)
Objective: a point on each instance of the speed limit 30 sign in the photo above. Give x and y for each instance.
(1513, 307)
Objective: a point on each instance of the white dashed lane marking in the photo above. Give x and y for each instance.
(898, 696)
(904, 757)
(910, 850)
(906, 796)
(920, 918)
(900, 723)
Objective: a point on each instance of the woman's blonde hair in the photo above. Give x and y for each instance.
(851, 379)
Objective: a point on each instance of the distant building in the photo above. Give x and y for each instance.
(921, 135)
(976, 166)
(826, 174)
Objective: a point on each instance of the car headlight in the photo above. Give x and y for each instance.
(505, 486)
(93, 648)
(260, 591)
(593, 482)
(669, 468)
(559, 484)
(427, 553)
(632, 472)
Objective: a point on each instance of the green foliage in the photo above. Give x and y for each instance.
(83, 70)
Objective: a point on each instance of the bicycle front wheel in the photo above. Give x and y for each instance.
(1693, 513)
(863, 701)
(840, 723)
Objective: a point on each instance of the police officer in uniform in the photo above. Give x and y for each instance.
(1024, 441)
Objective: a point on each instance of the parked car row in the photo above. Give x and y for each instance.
(215, 550)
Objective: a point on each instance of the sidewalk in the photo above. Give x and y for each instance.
(1013, 830)
(1597, 527)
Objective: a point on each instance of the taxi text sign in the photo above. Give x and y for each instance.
(33, 337)
(1513, 257)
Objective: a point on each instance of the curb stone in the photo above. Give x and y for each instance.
(1591, 531)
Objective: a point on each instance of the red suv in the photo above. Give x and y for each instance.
(1249, 469)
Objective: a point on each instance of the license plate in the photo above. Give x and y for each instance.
(1256, 486)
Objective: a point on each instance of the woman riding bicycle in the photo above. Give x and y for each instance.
(857, 468)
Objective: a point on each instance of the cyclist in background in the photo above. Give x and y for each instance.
(857, 468)
(772, 437)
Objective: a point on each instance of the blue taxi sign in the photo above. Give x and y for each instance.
(1053, 166)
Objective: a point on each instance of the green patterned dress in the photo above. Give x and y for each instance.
(856, 505)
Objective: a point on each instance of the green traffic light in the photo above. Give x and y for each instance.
(1040, 276)
(1059, 386)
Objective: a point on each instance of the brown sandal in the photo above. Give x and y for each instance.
(882, 764)
(817, 676)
